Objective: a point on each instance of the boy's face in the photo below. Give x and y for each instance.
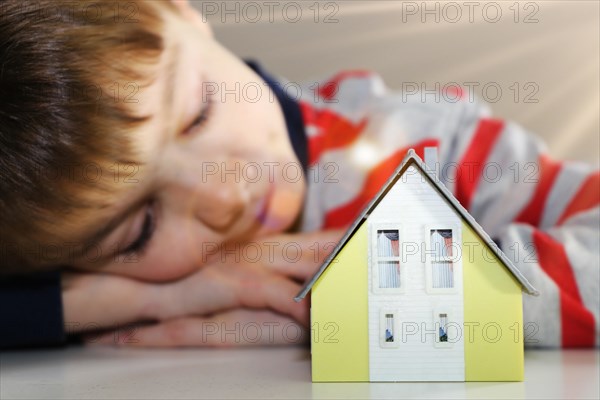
(218, 164)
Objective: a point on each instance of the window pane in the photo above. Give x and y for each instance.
(443, 321)
(387, 243)
(389, 328)
(441, 243)
(442, 274)
(389, 274)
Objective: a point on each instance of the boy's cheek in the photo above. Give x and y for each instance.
(161, 262)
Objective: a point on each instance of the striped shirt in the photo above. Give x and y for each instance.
(544, 213)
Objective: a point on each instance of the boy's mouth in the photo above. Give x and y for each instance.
(264, 203)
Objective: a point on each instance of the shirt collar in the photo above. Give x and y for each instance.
(291, 112)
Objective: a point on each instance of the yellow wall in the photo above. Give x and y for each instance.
(339, 316)
(492, 297)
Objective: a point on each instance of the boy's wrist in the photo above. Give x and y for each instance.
(100, 301)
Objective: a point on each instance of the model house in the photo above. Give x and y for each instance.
(416, 291)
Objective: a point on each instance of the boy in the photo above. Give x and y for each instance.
(146, 167)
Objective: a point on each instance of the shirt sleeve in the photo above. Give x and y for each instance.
(31, 310)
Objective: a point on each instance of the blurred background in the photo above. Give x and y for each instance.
(535, 62)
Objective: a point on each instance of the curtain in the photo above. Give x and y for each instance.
(388, 246)
(442, 269)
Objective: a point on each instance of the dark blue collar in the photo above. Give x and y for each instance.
(291, 112)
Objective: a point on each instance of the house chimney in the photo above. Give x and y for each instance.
(431, 159)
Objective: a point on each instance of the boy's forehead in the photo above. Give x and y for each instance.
(155, 100)
(162, 97)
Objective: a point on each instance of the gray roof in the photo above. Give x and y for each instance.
(410, 159)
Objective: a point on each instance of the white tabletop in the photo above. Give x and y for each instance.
(260, 373)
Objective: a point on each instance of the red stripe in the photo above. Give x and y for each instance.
(587, 196)
(334, 131)
(454, 92)
(577, 322)
(344, 215)
(532, 214)
(472, 164)
(329, 90)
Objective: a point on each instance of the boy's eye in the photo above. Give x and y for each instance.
(201, 119)
(147, 230)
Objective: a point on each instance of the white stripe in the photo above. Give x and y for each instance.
(311, 130)
(352, 98)
(568, 182)
(313, 213)
(340, 180)
(541, 313)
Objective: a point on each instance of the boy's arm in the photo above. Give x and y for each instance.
(41, 309)
(31, 310)
(545, 215)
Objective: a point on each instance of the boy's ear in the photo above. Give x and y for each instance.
(188, 11)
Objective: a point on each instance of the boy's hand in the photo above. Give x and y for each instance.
(234, 286)
(267, 273)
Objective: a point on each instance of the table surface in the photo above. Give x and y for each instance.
(98, 372)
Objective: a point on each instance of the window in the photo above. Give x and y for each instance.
(385, 258)
(442, 266)
(443, 327)
(388, 329)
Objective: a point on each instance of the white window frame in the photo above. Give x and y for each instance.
(428, 259)
(436, 323)
(374, 258)
(382, 325)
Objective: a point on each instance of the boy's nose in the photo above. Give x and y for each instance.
(206, 191)
(216, 200)
(221, 206)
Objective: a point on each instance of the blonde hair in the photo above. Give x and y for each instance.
(59, 120)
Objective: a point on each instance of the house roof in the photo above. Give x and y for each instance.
(412, 158)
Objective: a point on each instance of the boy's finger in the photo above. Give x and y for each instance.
(204, 292)
(274, 292)
(299, 256)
